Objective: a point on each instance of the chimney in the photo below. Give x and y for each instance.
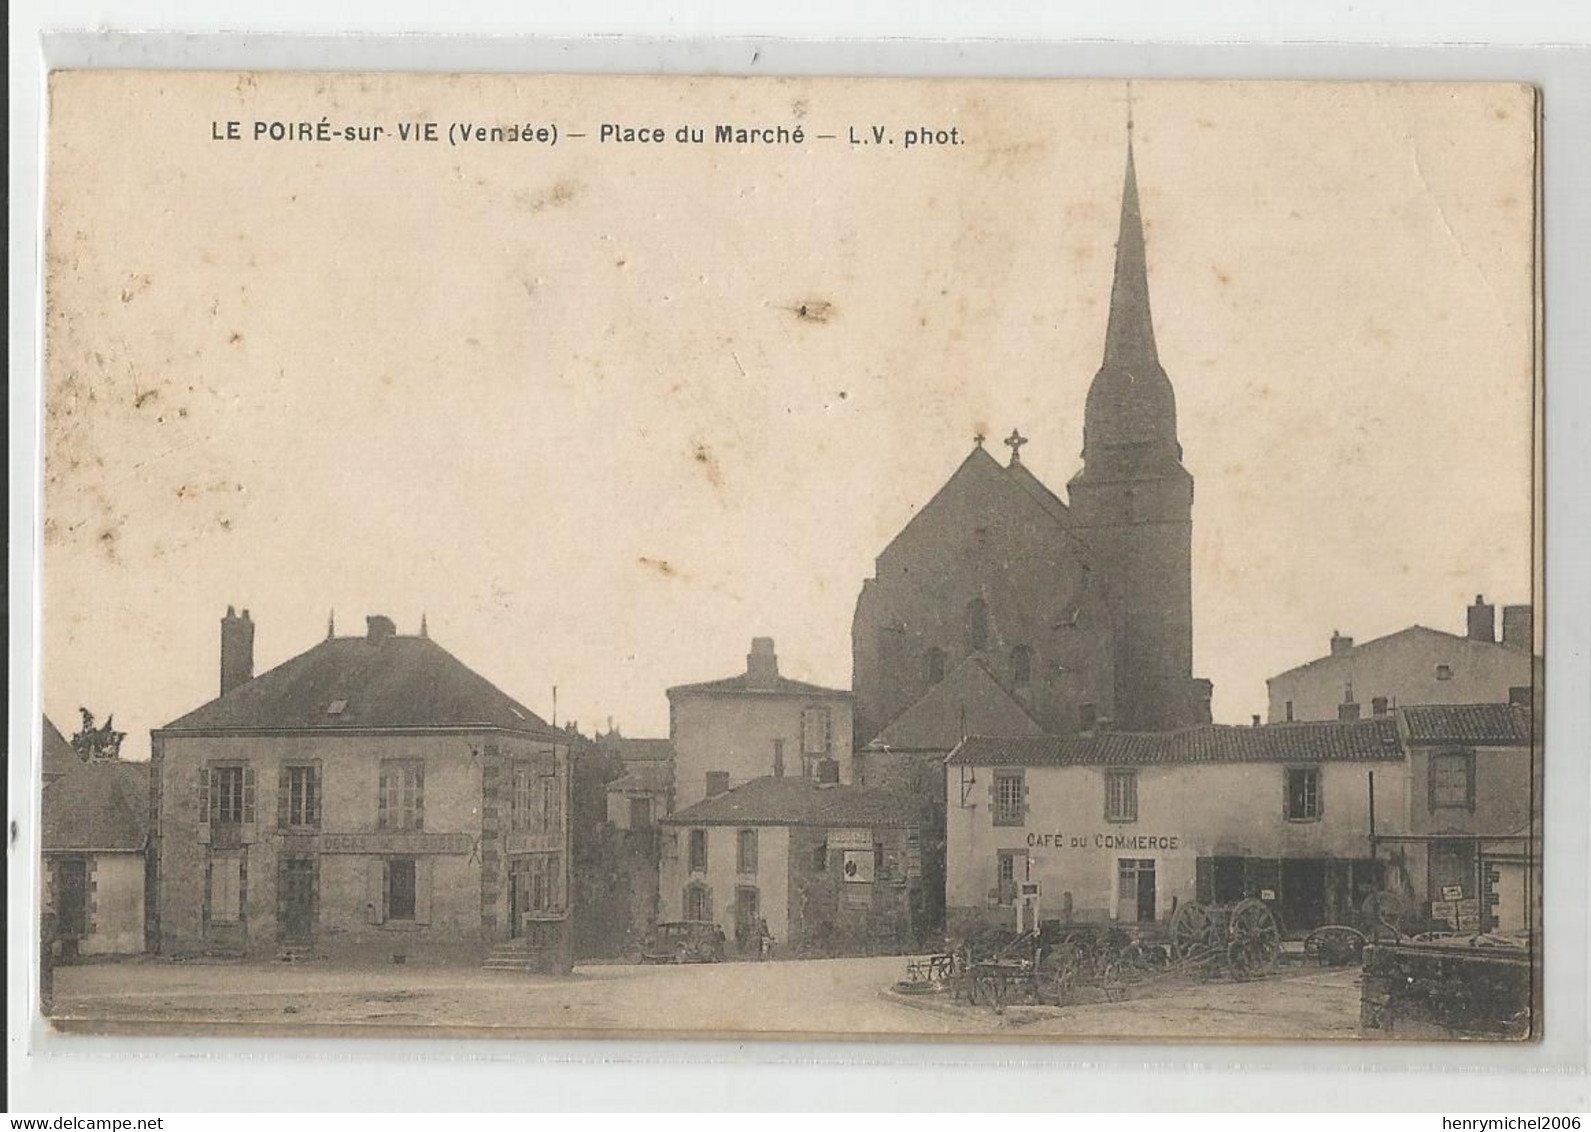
(1519, 628)
(1482, 621)
(237, 650)
(762, 664)
(1347, 711)
(379, 628)
(1339, 643)
(1256, 720)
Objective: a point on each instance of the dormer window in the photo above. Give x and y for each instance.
(336, 707)
(1444, 672)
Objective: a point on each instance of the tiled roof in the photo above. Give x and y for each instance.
(59, 755)
(798, 801)
(348, 683)
(646, 779)
(740, 686)
(1210, 743)
(1485, 725)
(968, 699)
(103, 805)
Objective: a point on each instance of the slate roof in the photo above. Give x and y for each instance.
(968, 700)
(740, 686)
(390, 682)
(97, 806)
(798, 801)
(1479, 725)
(59, 756)
(637, 750)
(1329, 741)
(1375, 644)
(644, 779)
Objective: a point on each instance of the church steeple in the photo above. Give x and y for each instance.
(1131, 414)
(1130, 334)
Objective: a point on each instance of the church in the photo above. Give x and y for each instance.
(1001, 608)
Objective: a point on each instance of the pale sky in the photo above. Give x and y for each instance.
(559, 398)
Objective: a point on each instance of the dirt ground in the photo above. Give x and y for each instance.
(841, 997)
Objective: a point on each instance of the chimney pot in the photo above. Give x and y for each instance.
(1519, 627)
(762, 663)
(1482, 621)
(379, 628)
(1256, 721)
(237, 649)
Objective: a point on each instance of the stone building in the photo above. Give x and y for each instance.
(1473, 838)
(1080, 609)
(1414, 666)
(831, 869)
(760, 723)
(370, 799)
(1126, 827)
(95, 832)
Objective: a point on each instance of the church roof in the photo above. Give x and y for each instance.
(981, 472)
(1326, 741)
(969, 700)
(356, 683)
(798, 801)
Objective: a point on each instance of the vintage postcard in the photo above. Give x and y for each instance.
(932, 558)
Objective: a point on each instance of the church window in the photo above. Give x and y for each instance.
(977, 625)
(935, 665)
(1022, 665)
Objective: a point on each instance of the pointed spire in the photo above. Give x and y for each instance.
(1130, 334)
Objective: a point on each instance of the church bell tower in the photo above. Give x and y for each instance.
(1133, 501)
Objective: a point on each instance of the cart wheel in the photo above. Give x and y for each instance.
(1190, 928)
(1239, 962)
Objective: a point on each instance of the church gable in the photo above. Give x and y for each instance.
(968, 701)
(985, 503)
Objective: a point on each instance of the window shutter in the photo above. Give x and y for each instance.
(422, 889)
(312, 802)
(283, 777)
(803, 734)
(381, 801)
(828, 731)
(248, 795)
(204, 795)
(419, 796)
(375, 890)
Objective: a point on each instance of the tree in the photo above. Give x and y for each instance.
(97, 744)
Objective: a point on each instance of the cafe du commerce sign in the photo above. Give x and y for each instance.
(1110, 840)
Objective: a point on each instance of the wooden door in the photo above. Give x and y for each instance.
(71, 898)
(299, 878)
(746, 919)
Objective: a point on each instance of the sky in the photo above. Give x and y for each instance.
(562, 399)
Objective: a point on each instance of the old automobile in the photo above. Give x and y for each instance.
(685, 941)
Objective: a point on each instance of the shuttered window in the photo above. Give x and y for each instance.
(402, 795)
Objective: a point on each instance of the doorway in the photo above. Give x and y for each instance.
(746, 919)
(298, 880)
(1303, 894)
(1135, 894)
(71, 903)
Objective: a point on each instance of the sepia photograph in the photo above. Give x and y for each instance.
(952, 559)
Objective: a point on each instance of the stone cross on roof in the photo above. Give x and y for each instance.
(1015, 442)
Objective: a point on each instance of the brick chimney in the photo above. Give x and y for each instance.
(1519, 627)
(1482, 621)
(237, 649)
(379, 628)
(1339, 643)
(762, 664)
